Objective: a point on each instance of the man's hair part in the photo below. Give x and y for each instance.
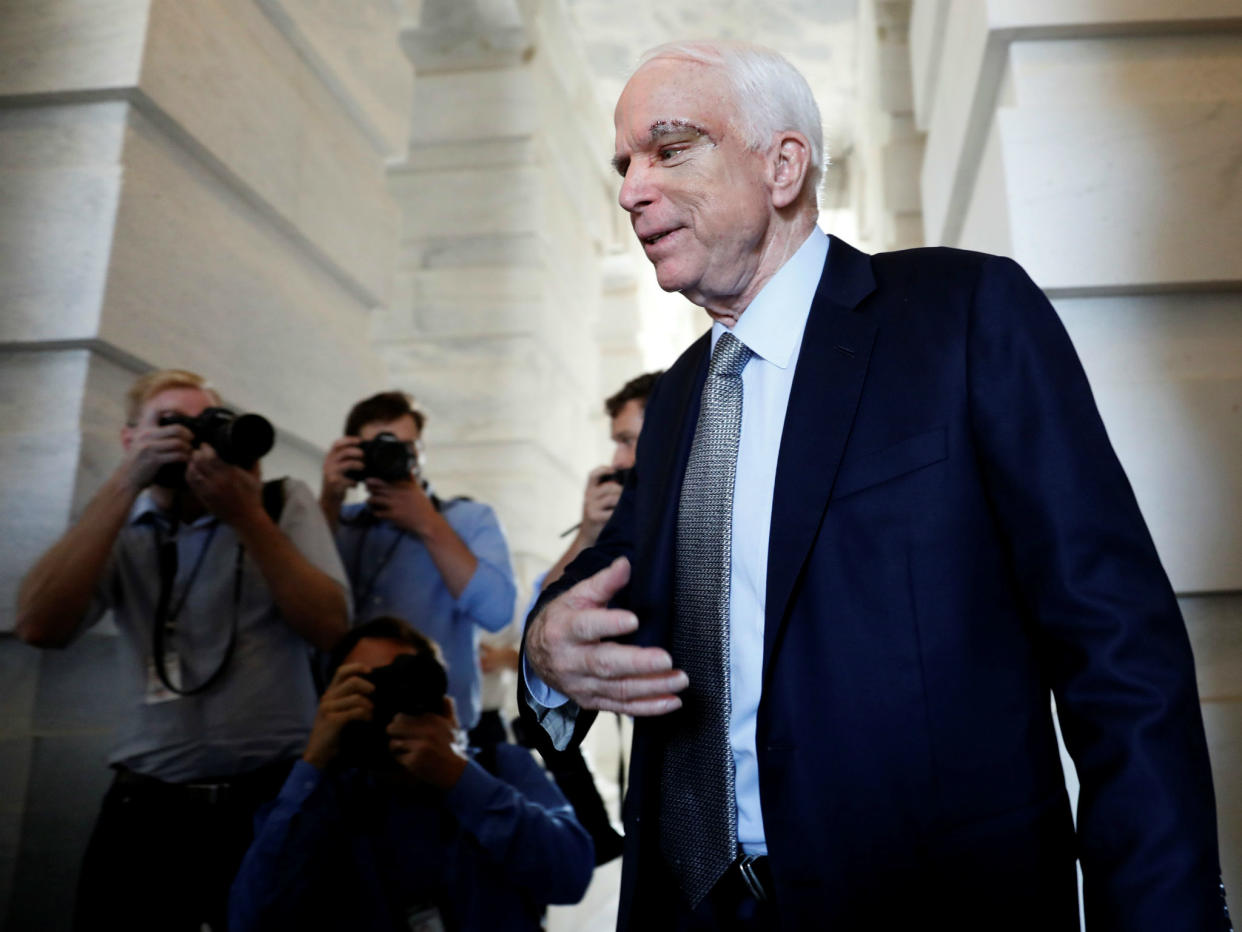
(770, 95)
(383, 408)
(636, 389)
(148, 386)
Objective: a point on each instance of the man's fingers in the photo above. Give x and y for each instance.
(353, 686)
(346, 670)
(611, 661)
(642, 708)
(600, 588)
(338, 705)
(595, 624)
(632, 688)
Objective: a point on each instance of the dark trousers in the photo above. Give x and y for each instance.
(163, 856)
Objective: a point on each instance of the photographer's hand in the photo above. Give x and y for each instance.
(343, 456)
(228, 492)
(598, 503)
(310, 601)
(404, 503)
(565, 646)
(425, 745)
(407, 506)
(149, 448)
(345, 700)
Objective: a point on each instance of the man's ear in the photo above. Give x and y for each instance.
(788, 164)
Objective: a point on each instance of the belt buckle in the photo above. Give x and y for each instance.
(746, 867)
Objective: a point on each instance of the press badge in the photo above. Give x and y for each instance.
(157, 692)
(424, 919)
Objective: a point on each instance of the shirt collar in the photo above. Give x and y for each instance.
(145, 511)
(772, 325)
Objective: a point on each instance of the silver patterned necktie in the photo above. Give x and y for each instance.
(698, 810)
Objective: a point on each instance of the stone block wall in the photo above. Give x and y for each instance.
(517, 296)
(192, 184)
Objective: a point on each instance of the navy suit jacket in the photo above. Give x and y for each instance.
(953, 542)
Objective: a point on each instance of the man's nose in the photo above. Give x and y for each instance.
(622, 457)
(636, 191)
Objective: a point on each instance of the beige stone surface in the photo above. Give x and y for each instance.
(1223, 723)
(227, 78)
(1166, 371)
(55, 46)
(1160, 188)
(353, 48)
(1214, 623)
(40, 403)
(458, 107)
(200, 278)
(957, 102)
(1120, 71)
(60, 181)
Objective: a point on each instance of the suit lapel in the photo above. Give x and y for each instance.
(832, 363)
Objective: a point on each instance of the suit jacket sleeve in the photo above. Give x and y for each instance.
(568, 724)
(1115, 647)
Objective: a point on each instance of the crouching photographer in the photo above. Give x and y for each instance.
(386, 822)
(217, 585)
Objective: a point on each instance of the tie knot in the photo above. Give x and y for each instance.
(729, 357)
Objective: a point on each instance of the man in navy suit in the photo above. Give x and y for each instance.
(930, 538)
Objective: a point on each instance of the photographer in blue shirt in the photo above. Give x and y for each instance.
(407, 552)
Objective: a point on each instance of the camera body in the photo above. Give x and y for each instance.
(385, 457)
(240, 440)
(413, 684)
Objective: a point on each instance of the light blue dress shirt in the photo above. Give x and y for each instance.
(392, 573)
(771, 327)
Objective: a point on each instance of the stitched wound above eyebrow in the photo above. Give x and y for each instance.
(662, 128)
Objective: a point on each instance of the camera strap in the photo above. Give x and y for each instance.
(166, 614)
(362, 591)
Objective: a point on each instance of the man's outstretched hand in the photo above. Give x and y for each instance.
(565, 646)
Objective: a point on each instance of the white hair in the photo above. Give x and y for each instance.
(771, 95)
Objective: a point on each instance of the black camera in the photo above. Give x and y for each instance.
(240, 440)
(385, 457)
(618, 476)
(413, 684)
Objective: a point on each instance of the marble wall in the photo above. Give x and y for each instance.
(192, 184)
(517, 307)
(1099, 144)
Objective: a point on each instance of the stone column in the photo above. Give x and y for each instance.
(1099, 144)
(888, 147)
(511, 245)
(191, 184)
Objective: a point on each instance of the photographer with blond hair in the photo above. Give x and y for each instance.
(218, 586)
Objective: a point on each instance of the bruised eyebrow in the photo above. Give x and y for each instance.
(658, 131)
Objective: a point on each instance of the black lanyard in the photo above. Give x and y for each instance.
(363, 592)
(166, 614)
(367, 520)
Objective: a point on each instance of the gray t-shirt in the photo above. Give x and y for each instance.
(261, 708)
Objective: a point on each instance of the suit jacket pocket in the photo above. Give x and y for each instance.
(904, 456)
